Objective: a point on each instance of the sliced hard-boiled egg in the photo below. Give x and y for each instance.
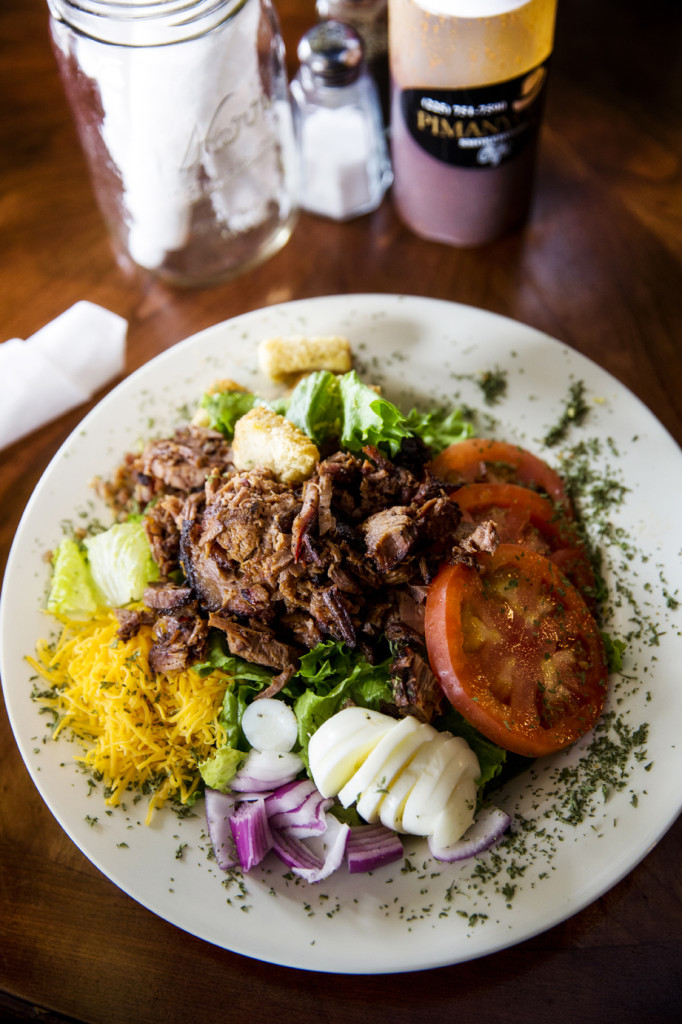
(457, 815)
(404, 738)
(393, 763)
(391, 809)
(450, 763)
(402, 772)
(338, 748)
(269, 724)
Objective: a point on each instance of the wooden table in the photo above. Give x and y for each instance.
(599, 266)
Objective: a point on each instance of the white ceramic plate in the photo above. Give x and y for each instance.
(421, 914)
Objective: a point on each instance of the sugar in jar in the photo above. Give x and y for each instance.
(184, 115)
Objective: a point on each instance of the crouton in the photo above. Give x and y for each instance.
(262, 438)
(218, 387)
(284, 359)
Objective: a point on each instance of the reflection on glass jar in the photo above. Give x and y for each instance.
(183, 112)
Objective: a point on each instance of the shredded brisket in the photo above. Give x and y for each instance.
(277, 568)
(178, 465)
(416, 690)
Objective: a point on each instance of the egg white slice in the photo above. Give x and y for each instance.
(364, 776)
(395, 761)
(338, 748)
(392, 806)
(457, 815)
(453, 761)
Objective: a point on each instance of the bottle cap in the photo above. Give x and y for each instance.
(332, 52)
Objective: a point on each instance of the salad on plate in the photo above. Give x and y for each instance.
(335, 622)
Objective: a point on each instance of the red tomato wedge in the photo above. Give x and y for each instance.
(479, 460)
(516, 650)
(525, 517)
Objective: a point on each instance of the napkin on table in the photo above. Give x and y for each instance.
(58, 368)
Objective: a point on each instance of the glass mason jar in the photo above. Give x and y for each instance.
(468, 86)
(183, 112)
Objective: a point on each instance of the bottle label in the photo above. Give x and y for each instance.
(482, 126)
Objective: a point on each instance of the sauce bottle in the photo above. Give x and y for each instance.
(468, 86)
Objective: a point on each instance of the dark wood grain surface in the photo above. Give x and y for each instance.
(599, 266)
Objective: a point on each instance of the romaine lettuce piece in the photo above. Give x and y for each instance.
(328, 407)
(369, 419)
(72, 592)
(438, 429)
(246, 683)
(614, 649)
(225, 407)
(315, 406)
(121, 563)
(332, 674)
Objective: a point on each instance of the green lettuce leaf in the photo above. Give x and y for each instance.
(369, 419)
(246, 682)
(226, 407)
(439, 428)
(110, 569)
(614, 650)
(334, 674)
(315, 406)
(328, 675)
(121, 563)
(72, 590)
(327, 407)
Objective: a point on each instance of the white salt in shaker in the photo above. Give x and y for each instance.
(184, 114)
(344, 166)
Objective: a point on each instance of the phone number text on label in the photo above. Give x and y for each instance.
(462, 110)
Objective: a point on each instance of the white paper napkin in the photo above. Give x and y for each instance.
(59, 367)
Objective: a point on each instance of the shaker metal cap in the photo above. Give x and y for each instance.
(332, 52)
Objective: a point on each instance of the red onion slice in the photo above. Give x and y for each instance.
(490, 825)
(251, 833)
(219, 809)
(372, 846)
(316, 859)
(309, 819)
(289, 796)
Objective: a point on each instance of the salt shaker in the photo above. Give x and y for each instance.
(370, 20)
(184, 115)
(344, 165)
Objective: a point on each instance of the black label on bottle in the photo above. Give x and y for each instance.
(478, 127)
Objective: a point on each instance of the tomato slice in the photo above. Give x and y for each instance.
(525, 517)
(516, 650)
(481, 460)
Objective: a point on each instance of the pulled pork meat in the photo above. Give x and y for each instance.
(416, 690)
(277, 568)
(174, 466)
(318, 561)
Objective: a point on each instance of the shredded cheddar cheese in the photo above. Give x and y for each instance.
(140, 731)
